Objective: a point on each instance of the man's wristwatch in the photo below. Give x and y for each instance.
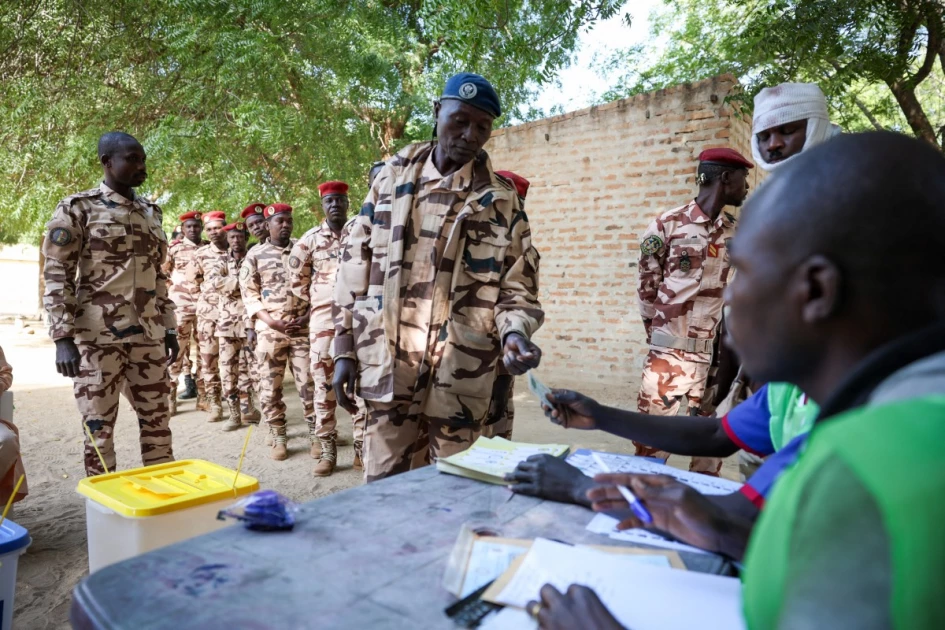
(171, 331)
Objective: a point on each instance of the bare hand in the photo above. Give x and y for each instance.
(519, 354)
(171, 347)
(251, 339)
(279, 325)
(346, 375)
(571, 410)
(68, 359)
(549, 477)
(580, 607)
(676, 508)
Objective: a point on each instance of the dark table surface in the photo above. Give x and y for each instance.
(368, 557)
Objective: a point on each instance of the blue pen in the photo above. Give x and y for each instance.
(638, 508)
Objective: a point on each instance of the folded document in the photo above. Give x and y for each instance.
(490, 459)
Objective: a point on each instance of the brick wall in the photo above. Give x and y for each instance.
(598, 177)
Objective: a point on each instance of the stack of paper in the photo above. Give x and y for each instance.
(490, 459)
(638, 595)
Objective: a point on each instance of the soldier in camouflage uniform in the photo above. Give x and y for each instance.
(235, 372)
(184, 295)
(258, 227)
(684, 267)
(313, 265)
(501, 408)
(438, 281)
(210, 261)
(107, 303)
(281, 325)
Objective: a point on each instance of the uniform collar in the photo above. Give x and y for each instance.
(287, 248)
(698, 215)
(455, 182)
(218, 250)
(111, 195)
(327, 231)
(187, 240)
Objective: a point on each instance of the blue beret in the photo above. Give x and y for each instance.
(475, 90)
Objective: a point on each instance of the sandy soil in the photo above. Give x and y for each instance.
(51, 438)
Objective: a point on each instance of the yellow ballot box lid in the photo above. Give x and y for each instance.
(164, 488)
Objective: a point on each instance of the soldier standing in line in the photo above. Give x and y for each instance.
(235, 372)
(184, 295)
(256, 223)
(281, 325)
(501, 409)
(684, 267)
(106, 298)
(313, 266)
(438, 281)
(208, 261)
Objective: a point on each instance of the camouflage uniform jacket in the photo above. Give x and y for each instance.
(208, 262)
(484, 285)
(265, 285)
(233, 320)
(181, 290)
(104, 282)
(313, 265)
(684, 267)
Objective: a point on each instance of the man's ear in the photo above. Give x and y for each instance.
(822, 288)
(105, 160)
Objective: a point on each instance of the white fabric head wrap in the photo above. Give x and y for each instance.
(787, 103)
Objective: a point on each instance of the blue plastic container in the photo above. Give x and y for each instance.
(13, 543)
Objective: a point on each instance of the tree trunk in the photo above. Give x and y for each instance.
(912, 108)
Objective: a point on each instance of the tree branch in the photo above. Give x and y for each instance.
(869, 115)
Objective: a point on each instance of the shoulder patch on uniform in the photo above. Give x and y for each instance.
(651, 245)
(294, 262)
(244, 272)
(60, 236)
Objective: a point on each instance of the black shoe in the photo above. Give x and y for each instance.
(190, 388)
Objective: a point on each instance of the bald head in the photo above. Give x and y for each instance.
(114, 141)
(837, 253)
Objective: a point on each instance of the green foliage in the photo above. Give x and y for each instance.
(881, 63)
(249, 100)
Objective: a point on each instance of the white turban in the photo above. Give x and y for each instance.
(787, 103)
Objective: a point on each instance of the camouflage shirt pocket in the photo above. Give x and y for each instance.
(107, 240)
(483, 258)
(686, 257)
(468, 364)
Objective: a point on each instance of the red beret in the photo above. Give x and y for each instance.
(333, 188)
(725, 157)
(239, 225)
(277, 208)
(251, 209)
(189, 215)
(521, 184)
(216, 215)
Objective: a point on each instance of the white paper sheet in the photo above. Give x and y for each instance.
(629, 464)
(487, 561)
(639, 596)
(508, 619)
(607, 525)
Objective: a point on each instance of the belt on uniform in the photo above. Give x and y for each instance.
(688, 344)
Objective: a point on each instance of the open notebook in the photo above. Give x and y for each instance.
(490, 459)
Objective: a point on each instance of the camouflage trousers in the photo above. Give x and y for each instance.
(237, 367)
(209, 356)
(414, 430)
(137, 370)
(499, 421)
(273, 351)
(186, 331)
(323, 371)
(667, 379)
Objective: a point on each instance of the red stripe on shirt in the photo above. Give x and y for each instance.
(752, 495)
(734, 438)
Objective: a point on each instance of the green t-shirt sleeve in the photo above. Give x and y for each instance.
(840, 568)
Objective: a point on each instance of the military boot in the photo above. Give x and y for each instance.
(358, 450)
(190, 388)
(215, 414)
(269, 435)
(172, 405)
(202, 403)
(280, 447)
(316, 450)
(233, 422)
(326, 463)
(248, 411)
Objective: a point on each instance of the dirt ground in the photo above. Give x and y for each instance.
(51, 439)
